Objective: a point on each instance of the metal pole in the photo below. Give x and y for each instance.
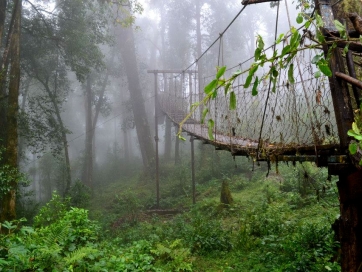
(156, 140)
(193, 170)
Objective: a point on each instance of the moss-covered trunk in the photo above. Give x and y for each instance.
(8, 208)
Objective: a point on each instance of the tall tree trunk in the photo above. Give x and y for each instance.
(349, 225)
(91, 124)
(68, 177)
(3, 91)
(3, 5)
(128, 52)
(88, 151)
(23, 103)
(8, 211)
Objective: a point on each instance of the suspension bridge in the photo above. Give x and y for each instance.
(303, 119)
(306, 120)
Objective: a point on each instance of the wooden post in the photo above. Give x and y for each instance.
(349, 225)
(193, 170)
(156, 141)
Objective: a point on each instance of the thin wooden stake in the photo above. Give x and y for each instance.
(156, 140)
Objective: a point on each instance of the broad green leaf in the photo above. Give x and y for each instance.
(253, 69)
(290, 74)
(354, 135)
(232, 100)
(211, 86)
(214, 94)
(285, 50)
(255, 87)
(257, 54)
(353, 147)
(325, 69)
(299, 18)
(221, 82)
(260, 43)
(341, 28)
(275, 73)
(227, 86)
(220, 72)
(210, 125)
(355, 128)
(307, 24)
(360, 162)
(294, 40)
(274, 80)
(319, 20)
(317, 74)
(316, 58)
(280, 38)
(204, 113)
(320, 37)
(248, 81)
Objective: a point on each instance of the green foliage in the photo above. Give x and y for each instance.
(356, 133)
(52, 211)
(207, 235)
(79, 195)
(9, 174)
(66, 243)
(174, 256)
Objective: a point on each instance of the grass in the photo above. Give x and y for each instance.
(272, 226)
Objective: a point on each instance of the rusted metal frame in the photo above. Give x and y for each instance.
(355, 82)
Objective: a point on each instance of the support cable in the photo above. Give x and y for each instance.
(270, 82)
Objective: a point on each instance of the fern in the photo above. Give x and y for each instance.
(58, 234)
(78, 255)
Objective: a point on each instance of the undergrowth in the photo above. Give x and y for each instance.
(276, 223)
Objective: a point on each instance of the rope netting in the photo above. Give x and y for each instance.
(298, 117)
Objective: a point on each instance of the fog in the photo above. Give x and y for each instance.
(87, 99)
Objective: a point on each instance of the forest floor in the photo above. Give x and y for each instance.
(277, 223)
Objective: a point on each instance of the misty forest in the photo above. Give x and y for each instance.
(194, 135)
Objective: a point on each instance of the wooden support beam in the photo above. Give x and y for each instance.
(193, 170)
(349, 79)
(354, 46)
(352, 73)
(156, 142)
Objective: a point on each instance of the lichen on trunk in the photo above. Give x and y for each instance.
(226, 197)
